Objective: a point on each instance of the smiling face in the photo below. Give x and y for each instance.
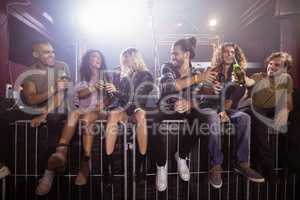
(178, 57)
(45, 54)
(228, 55)
(95, 60)
(275, 66)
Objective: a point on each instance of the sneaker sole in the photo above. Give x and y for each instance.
(176, 158)
(160, 190)
(215, 186)
(251, 179)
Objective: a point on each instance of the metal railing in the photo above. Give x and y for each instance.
(29, 146)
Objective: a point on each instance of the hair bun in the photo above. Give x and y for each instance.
(193, 41)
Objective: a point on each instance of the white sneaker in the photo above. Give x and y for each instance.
(162, 178)
(182, 168)
(4, 171)
(45, 183)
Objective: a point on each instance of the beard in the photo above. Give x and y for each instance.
(177, 63)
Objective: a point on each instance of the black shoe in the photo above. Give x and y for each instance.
(245, 170)
(272, 177)
(108, 172)
(140, 168)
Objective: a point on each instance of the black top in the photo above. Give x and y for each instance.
(234, 91)
(133, 90)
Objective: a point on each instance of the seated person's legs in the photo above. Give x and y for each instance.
(210, 125)
(88, 136)
(111, 133)
(142, 138)
(242, 123)
(58, 158)
(54, 123)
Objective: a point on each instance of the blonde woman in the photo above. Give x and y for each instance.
(135, 84)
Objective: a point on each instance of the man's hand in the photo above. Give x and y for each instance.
(281, 118)
(182, 106)
(217, 87)
(62, 85)
(207, 76)
(37, 121)
(224, 117)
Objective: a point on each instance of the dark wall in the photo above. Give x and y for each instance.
(4, 76)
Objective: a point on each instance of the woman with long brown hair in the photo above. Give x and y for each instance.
(90, 108)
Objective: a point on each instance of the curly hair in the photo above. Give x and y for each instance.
(85, 71)
(218, 60)
(287, 59)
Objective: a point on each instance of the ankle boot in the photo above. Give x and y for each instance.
(108, 171)
(58, 159)
(140, 167)
(83, 174)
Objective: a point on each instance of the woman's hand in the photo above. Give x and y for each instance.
(110, 88)
(99, 85)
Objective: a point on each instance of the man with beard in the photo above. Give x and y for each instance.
(178, 81)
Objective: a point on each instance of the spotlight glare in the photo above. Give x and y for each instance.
(213, 22)
(113, 17)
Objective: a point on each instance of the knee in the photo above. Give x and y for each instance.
(88, 119)
(213, 117)
(113, 118)
(244, 117)
(73, 117)
(140, 116)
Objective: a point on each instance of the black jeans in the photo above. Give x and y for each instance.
(262, 148)
(55, 124)
(189, 136)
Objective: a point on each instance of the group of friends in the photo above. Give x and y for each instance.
(252, 104)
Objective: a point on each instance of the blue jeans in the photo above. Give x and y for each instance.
(242, 131)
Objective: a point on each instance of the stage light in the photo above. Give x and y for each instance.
(110, 17)
(213, 22)
(179, 24)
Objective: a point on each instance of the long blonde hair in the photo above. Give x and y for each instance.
(135, 61)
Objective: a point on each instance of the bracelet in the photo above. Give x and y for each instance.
(195, 79)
